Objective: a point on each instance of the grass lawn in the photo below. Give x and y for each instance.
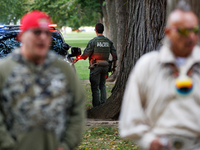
(80, 39)
(82, 69)
(99, 138)
(95, 137)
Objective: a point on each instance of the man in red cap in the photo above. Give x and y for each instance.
(35, 36)
(41, 102)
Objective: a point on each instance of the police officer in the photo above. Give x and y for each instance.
(98, 50)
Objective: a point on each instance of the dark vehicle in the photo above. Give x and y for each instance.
(8, 43)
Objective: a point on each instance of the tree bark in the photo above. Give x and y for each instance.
(106, 22)
(110, 8)
(121, 11)
(146, 20)
(122, 26)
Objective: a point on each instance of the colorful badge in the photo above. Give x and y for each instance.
(184, 85)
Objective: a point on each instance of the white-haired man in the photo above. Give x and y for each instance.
(161, 104)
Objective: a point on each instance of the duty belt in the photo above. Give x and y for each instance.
(102, 62)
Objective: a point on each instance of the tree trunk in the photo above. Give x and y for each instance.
(122, 26)
(146, 20)
(101, 12)
(106, 22)
(110, 8)
(121, 11)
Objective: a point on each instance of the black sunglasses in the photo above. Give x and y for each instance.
(38, 32)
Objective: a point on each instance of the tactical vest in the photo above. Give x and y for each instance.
(101, 49)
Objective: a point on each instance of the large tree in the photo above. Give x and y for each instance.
(118, 23)
(111, 12)
(144, 32)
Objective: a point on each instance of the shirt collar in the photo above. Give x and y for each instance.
(16, 55)
(166, 55)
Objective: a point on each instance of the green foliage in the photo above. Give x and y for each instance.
(72, 13)
(91, 12)
(57, 9)
(104, 138)
(12, 10)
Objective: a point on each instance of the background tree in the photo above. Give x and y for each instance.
(111, 12)
(91, 11)
(11, 11)
(118, 29)
(72, 13)
(122, 16)
(146, 20)
(59, 10)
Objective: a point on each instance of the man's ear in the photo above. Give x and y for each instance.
(19, 36)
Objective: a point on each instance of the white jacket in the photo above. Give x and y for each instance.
(152, 107)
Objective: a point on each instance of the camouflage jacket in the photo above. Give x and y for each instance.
(42, 106)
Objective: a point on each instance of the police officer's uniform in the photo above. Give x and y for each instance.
(98, 50)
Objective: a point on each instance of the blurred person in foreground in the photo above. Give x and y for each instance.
(161, 103)
(98, 50)
(42, 105)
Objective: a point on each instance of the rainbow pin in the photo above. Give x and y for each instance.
(184, 85)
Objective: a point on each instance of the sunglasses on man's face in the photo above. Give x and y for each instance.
(186, 31)
(38, 32)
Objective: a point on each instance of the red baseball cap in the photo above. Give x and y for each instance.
(34, 19)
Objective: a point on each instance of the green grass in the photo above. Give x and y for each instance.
(78, 39)
(104, 138)
(82, 69)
